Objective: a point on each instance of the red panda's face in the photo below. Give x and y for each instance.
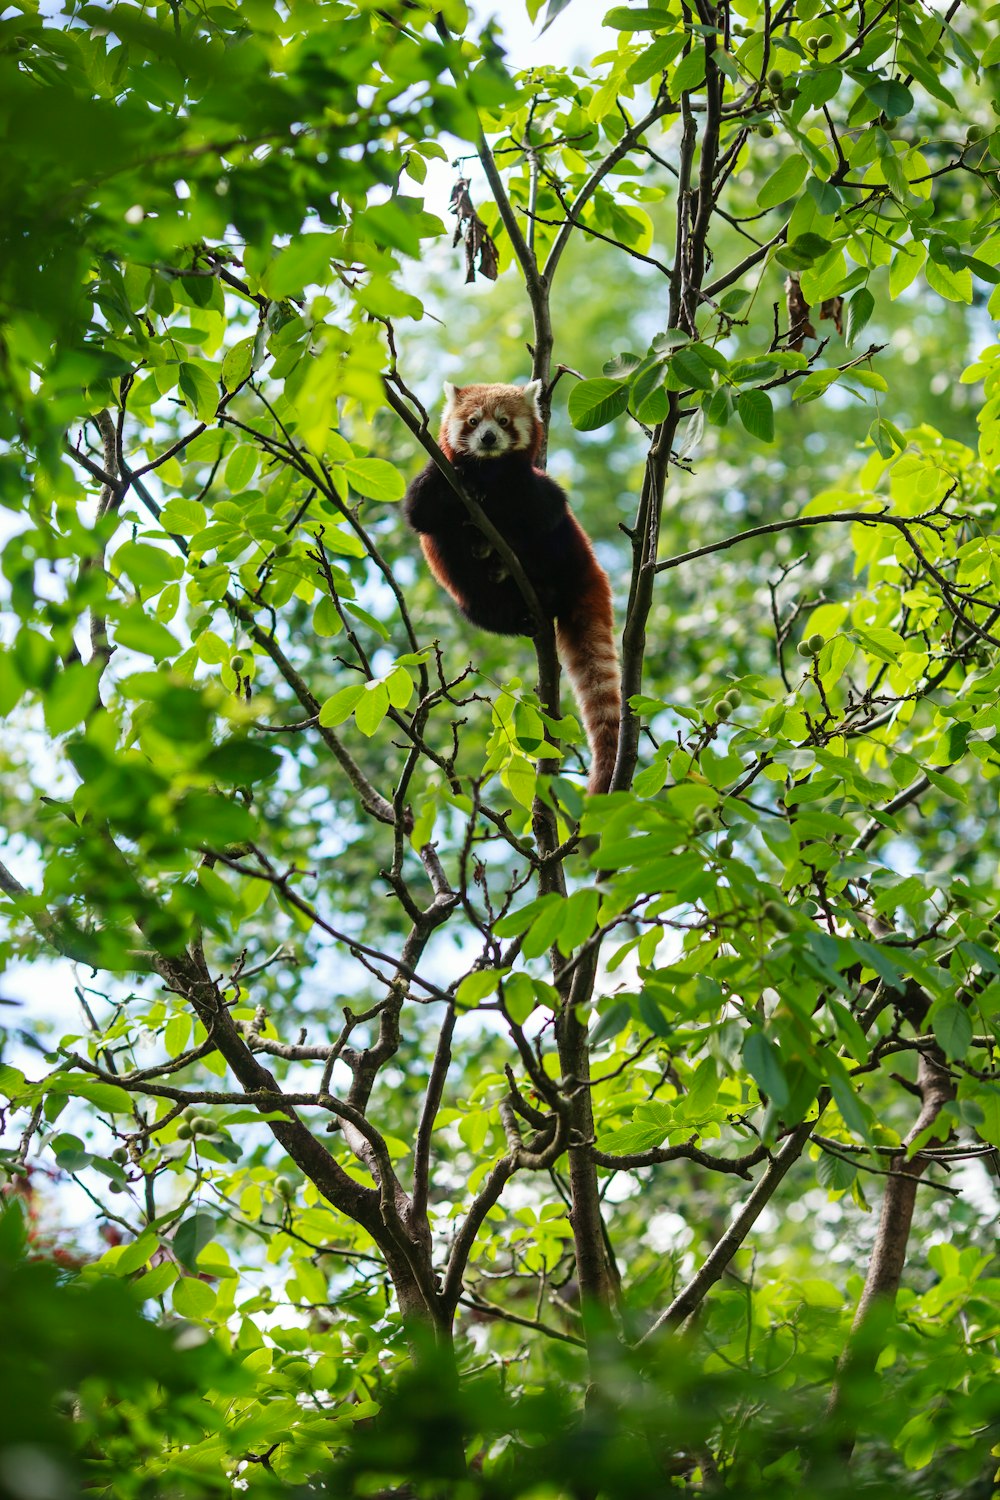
(485, 421)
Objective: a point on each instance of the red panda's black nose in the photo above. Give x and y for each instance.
(488, 439)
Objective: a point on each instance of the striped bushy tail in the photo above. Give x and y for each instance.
(586, 643)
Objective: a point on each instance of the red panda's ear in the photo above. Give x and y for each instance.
(450, 392)
(531, 393)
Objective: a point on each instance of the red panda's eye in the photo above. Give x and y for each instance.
(502, 421)
(473, 421)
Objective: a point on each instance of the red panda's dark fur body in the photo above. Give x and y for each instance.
(530, 511)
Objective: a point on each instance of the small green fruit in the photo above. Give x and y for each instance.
(803, 649)
(724, 848)
(813, 45)
(362, 1342)
(185, 1130)
(282, 549)
(115, 1187)
(201, 1125)
(724, 708)
(976, 133)
(236, 663)
(775, 79)
(778, 915)
(816, 643)
(284, 1187)
(704, 823)
(735, 697)
(119, 1154)
(826, 40)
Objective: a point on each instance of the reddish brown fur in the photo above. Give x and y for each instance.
(585, 631)
(493, 400)
(586, 641)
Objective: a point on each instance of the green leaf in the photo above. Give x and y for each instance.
(72, 695)
(579, 919)
(834, 1172)
(147, 566)
(608, 1025)
(757, 414)
(236, 366)
(306, 262)
(656, 58)
(339, 708)
(764, 1066)
(880, 641)
(133, 1257)
(193, 1298)
(183, 517)
(201, 391)
(891, 97)
(954, 285)
(191, 1237)
(622, 366)
(652, 1015)
(545, 929)
(104, 1096)
(399, 686)
(689, 73)
(783, 183)
(952, 1026)
(594, 403)
(881, 435)
(241, 466)
(375, 478)
(371, 708)
(140, 633)
(176, 1034)
(477, 986)
(859, 310)
(240, 762)
(639, 18)
(691, 367)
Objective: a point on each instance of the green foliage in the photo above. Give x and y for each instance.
(423, 1100)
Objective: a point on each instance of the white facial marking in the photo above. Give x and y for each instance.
(488, 438)
(532, 391)
(523, 426)
(456, 427)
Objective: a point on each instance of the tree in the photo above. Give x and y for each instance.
(521, 1092)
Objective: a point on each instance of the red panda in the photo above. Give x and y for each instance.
(493, 434)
